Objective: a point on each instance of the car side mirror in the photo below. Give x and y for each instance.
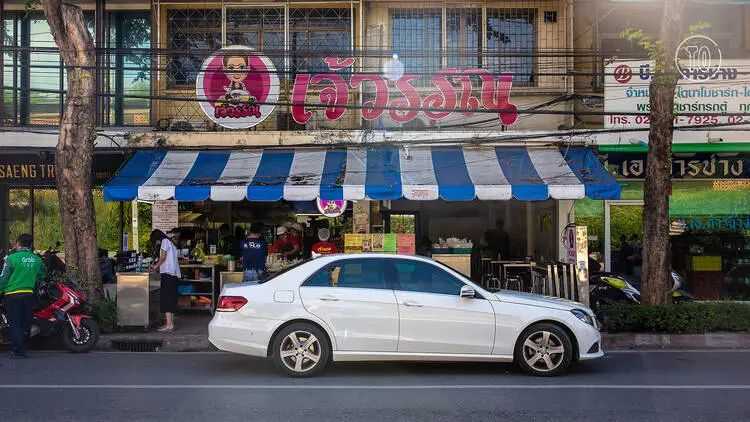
(467, 291)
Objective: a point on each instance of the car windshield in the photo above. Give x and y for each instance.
(285, 270)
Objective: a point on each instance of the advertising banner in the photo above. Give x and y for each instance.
(727, 90)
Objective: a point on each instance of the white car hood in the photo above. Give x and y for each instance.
(537, 300)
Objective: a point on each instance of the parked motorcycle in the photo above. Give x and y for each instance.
(61, 311)
(611, 288)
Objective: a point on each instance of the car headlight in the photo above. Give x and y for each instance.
(584, 316)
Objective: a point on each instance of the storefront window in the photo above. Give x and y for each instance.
(316, 33)
(464, 35)
(511, 39)
(710, 233)
(416, 36)
(19, 213)
(195, 33)
(47, 227)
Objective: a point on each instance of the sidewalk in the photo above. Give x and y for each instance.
(191, 335)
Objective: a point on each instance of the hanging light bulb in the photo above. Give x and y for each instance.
(393, 69)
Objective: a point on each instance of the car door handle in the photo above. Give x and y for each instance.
(329, 298)
(412, 304)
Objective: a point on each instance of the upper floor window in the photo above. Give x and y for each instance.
(416, 36)
(511, 42)
(260, 28)
(316, 33)
(464, 34)
(194, 34)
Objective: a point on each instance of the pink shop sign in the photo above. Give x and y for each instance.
(239, 88)
(453, 91)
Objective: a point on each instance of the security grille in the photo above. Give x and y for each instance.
(193, 35)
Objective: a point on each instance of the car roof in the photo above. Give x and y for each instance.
(338, 257)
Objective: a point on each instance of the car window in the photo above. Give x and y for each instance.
(354, 273)
(418, 276)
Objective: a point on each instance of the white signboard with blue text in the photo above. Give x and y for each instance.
(710, 99)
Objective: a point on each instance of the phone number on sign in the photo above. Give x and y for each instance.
(680, 120)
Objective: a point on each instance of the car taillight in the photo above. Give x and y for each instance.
(230, 303)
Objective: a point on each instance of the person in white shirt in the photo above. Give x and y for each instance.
(169, 270)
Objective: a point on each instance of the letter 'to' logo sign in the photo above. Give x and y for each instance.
(237, 87)
(623, 73)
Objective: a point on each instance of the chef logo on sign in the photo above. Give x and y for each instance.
(238, 87)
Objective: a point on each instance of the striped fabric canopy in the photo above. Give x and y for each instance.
(453, 173)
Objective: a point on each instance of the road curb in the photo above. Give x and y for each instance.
(176, 342)
(645, 341)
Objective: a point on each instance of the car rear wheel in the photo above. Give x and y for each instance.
(544, 350)
(301, 350)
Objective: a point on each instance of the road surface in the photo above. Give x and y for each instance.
(627, 386)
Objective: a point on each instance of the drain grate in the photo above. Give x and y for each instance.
(137, 345)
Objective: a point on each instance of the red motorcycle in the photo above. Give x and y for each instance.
(61, 313)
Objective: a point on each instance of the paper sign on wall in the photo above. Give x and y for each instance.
(164, 216)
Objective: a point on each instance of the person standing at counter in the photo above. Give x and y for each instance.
(323, 247)
(169, 271)
(254, 253)
(286, 244)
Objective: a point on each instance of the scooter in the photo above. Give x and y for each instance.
(610, 288)
(62, 313)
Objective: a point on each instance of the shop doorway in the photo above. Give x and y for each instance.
(623, 237)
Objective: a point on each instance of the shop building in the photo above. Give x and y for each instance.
(709, 200)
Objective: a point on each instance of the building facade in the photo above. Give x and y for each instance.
(378, 72)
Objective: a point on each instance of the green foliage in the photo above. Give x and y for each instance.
(105, 313)
(697, 317)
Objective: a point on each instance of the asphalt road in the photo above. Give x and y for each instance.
(625, 386)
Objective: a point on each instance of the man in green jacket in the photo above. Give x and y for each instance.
(21, 272)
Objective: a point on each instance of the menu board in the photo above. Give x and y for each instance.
(389, 243)
(405, 244)
(352, 243)
(376, 242)
(164, 215)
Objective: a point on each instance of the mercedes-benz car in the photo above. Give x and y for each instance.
(380, 307)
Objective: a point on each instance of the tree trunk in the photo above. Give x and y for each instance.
(75, 147)
(657, 187)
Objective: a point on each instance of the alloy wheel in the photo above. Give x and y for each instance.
(300, 351)
(543, 351)
(84, 335)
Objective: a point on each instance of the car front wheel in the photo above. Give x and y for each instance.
(301, 350)
(544, 350)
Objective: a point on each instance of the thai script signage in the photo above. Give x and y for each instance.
(694, 166)
(453, 91)
(723, 90)
(238, 88)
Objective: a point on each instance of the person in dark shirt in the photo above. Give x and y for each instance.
(254, 253)
(498, 243)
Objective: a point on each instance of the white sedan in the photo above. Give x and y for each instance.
(378, 307)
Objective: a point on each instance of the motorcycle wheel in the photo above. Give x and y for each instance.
(88, 336)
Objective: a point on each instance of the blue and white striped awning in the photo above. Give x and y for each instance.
(453, 173)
